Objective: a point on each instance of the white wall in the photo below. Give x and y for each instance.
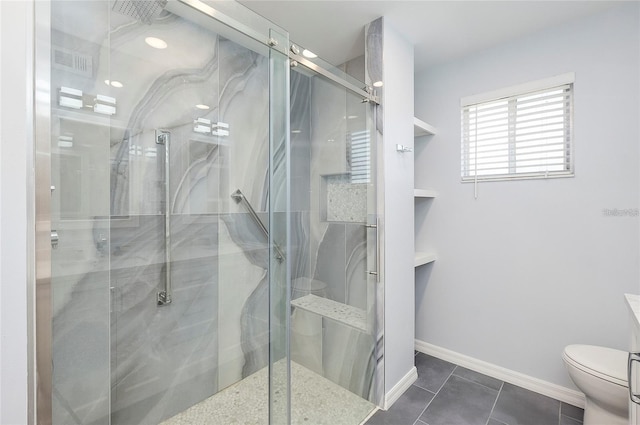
(15, 22)
(531, 266)
(398, 203)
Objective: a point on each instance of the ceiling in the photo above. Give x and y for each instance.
(441, 31)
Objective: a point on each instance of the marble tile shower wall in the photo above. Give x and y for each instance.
(300, 123)
(195, 343)
(107, 326)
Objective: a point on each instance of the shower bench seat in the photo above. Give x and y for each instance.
(342, 313)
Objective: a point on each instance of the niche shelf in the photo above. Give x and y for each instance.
(424, 193)
(423, 258)
(420, 129)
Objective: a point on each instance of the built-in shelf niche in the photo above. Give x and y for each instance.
(421, 128)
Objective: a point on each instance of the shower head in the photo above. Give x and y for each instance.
(143, 10)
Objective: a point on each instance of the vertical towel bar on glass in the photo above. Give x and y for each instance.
(376, 227)
(164, 296)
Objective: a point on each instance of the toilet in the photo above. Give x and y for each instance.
(601, 374)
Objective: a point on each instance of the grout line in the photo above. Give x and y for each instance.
(434, 395)
(445, 381)
(559, 413)
(426, 405)
(494, 404)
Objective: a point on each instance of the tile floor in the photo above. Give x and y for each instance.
(446, 394)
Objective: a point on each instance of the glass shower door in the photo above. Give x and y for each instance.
(169, 158)
(334, 242)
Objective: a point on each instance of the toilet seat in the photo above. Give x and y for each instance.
(604, 363)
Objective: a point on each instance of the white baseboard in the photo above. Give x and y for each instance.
(567, 395)
(398, 389)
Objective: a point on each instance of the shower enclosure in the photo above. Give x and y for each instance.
(210, 195)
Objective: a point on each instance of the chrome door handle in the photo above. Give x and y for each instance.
(633, 357)
(376, 272)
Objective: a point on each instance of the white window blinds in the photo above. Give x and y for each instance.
(526, 135)
(360, 157)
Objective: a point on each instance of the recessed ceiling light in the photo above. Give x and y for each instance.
(296, 131)
(114, 83)
(309, 54)
(377, 84)
(156, 43)
(202, 106)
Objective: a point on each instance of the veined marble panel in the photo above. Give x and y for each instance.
(300, 96)
(357, 278)
(197, 342)
(161, 93)
(253, 323)
(244, 105)
(331, 262)
(239, 277)
(349, 358)
(80, 348)
(158, 352)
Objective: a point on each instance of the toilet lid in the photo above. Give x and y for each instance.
(602, 362)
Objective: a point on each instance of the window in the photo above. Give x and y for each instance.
(519, 132)
(360, 156)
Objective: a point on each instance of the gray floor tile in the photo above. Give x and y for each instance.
(518, 406)
(566, 420)
(406, 410)
(478, 378)
(460, 402)
(432, 372)
(572, 411)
